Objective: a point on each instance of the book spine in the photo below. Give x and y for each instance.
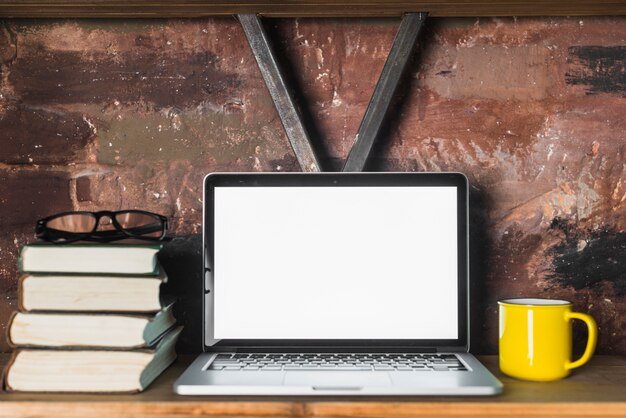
(5, 373)
(20, 293)
(20, 260)
(10, 342)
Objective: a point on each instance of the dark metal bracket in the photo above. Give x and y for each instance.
(280, 92)
(401, 50)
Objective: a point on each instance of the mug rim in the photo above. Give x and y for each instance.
(534, 302)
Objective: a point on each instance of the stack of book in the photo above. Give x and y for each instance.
(91, 319)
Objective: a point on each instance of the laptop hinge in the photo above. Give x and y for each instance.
(326, 349)
(452, 350)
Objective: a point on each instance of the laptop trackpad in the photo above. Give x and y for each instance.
(337, 380)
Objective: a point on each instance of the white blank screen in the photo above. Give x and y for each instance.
(335, 263)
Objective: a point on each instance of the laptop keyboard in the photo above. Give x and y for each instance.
(339, 361)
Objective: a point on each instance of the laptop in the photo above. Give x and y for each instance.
(336, 284)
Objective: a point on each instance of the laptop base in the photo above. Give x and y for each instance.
(476, 381)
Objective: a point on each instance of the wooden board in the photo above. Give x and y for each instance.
(597, 390)
(290, 8)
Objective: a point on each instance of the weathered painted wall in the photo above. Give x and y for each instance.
(132, 114)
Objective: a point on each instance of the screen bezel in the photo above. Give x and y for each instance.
(457, 180)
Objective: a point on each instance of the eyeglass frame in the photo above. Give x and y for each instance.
(42, 231)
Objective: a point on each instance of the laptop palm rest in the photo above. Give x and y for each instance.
(337, 380)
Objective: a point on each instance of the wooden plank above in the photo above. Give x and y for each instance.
(303, 8)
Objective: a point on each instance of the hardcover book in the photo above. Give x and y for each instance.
(65, 330)
(89, 258)
(38, 370)
(89, 293)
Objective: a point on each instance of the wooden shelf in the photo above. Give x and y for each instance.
(598, 390)
(291, 8)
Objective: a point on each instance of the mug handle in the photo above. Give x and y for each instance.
(591, 339)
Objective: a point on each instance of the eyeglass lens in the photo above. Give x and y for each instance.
(79, 223)
(137, 223)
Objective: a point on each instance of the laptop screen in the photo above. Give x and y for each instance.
(335, 263)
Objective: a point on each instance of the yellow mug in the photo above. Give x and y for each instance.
(536, 338)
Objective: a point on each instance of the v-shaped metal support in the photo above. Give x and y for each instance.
(401, 50)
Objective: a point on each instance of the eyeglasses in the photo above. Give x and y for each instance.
(103, 226)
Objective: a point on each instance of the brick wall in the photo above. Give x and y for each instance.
(132, 114)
